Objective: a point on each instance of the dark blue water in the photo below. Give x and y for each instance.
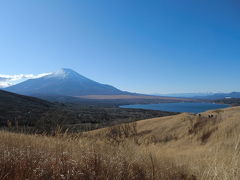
(178, 107)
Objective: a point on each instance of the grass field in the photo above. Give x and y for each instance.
(105, 97)
(184, 146)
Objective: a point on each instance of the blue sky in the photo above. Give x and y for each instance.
(162, 46)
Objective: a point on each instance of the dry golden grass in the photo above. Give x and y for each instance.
(208, 144)
(41, 157)
(184, 146)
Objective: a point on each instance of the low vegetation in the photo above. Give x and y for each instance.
(184, 146)
(75, 118)
(28, 114)
(231, 101)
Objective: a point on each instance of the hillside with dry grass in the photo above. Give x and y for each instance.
(185, 146)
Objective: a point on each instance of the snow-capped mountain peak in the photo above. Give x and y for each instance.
(65, 82)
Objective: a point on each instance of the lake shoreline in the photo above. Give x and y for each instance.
(180, 107)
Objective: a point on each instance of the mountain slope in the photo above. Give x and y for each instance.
(67, 85)
(38, 115)
(186, 128)
(64, 82)
(207, 144)
(24, 109)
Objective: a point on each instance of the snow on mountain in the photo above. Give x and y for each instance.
(64, 82)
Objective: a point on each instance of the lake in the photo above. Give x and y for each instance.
(179, 107)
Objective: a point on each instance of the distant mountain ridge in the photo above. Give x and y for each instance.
(185, 95)
(220, 96)
(68, 84)
(64, 82)
(204, 96)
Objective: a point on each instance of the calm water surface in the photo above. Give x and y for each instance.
(179, 107)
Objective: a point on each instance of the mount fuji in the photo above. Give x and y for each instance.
(64, 82)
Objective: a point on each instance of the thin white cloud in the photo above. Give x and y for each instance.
(8, 80)
(5, 84)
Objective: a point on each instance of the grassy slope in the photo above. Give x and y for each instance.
(209, 146)
(194, 129)
(105, 97)
(188, 128)
(128, 99)
(183, 146)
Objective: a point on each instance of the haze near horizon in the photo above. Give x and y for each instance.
(158, 47)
